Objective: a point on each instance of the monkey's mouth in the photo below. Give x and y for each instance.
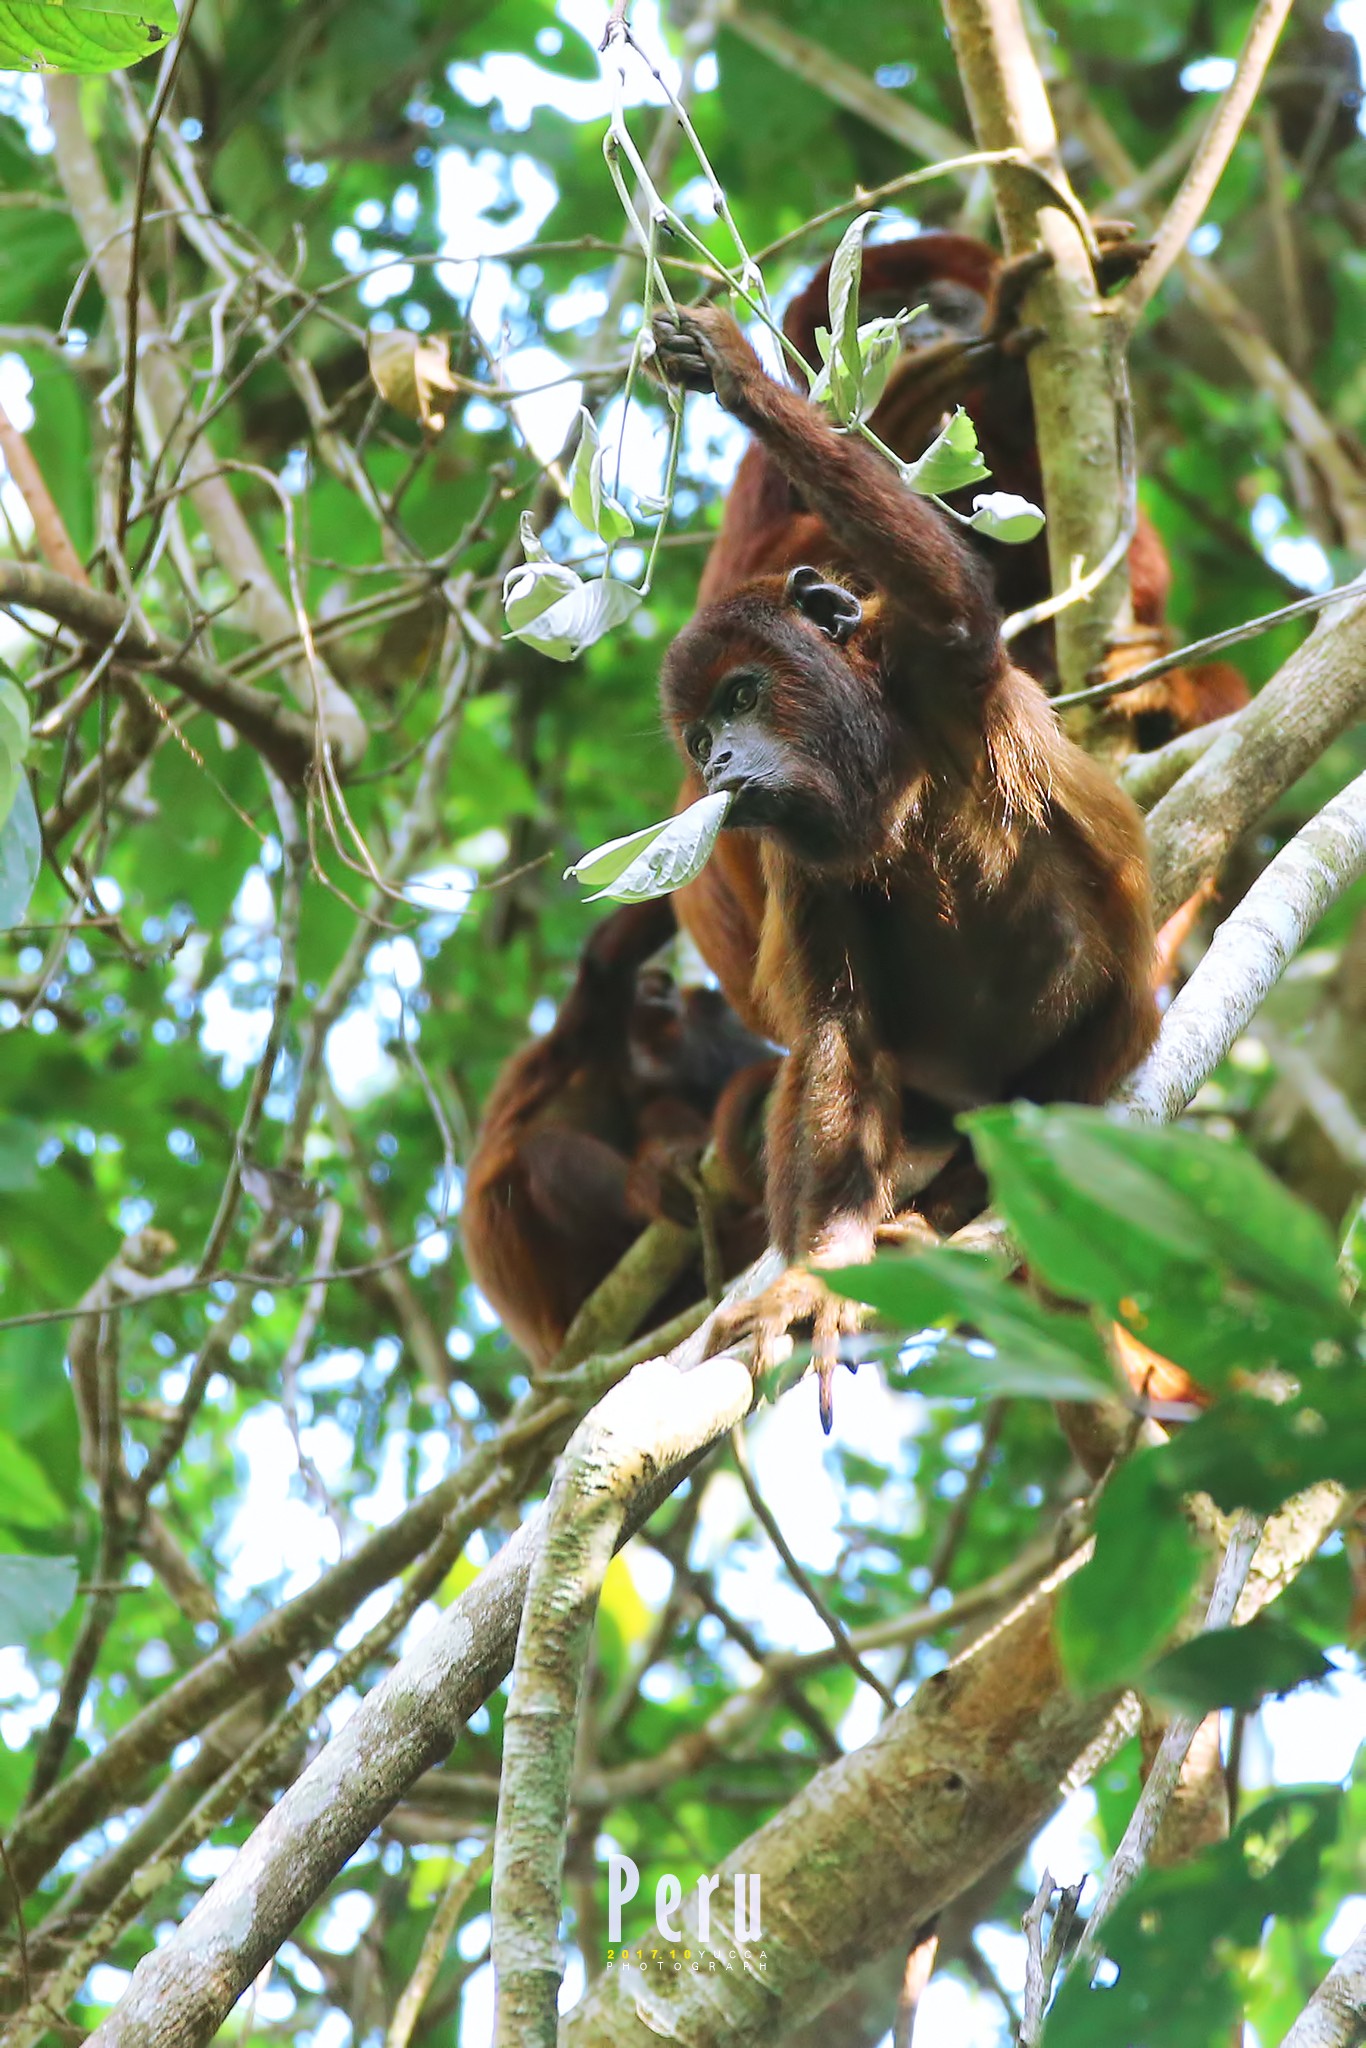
(791, 815)
(751, 803)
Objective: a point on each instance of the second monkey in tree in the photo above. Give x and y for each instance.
(956, 902)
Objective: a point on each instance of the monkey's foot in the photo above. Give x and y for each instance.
(798, 1301)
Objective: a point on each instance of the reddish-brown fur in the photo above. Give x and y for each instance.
(960, 351)
(589, 1129)
(956, 904)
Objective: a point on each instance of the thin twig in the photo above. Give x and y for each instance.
(1197, 188)
(21, 1931)
(1132, 1854)
(464, 1882)
(170, 65)
(800, 1577)
(1213, 643)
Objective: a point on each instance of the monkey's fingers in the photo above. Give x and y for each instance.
(680, 354)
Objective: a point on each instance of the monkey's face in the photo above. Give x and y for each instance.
(775, 697)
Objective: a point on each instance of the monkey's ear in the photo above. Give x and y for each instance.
(837, 612)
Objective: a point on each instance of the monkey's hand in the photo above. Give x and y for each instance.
(701, 348)
(799, 1301)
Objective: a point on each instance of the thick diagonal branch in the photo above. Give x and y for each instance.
(1249, 953)
(284, 737)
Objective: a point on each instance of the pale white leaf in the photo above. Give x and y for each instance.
(657, 860)
(580, 618)
(846, 268)
(531, 590)
(589, 500)
(533, 547)
(879, 344)
(1005, 517)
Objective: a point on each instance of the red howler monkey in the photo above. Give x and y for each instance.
(962, 350)
(956, 902)
(587, 1132)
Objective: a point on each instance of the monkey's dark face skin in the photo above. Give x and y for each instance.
(770, 695)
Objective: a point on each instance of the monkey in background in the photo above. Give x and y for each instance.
(596, 1130)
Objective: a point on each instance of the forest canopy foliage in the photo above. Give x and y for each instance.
(390, 469)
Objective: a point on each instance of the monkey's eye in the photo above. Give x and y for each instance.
(743, 696)
(699, 744)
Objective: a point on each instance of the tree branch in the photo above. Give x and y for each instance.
(644, 1431)
(1161, 1782)
(1318, 693)
(1216, 147)
(183, 1990)
(264, 608)
(1249, 952)
(977, 1761)
(284, 737)
(1075, 375)
(1335, 2016)
(1242, 333)
(847, 86)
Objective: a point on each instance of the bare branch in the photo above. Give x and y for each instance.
(437, 1940)
(282, 736)
(1076, 376)
(1248, 954)
(647, 1429)
(846, 85)
(1216, 146)
(1335, 2016)
(49, 528)
(1318, 693)
(1128, 1861)
(264, 607)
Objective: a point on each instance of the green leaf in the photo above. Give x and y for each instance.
(951, 461)
(19, 1142)
(1038, 1351)
(13, 740)
(35, 1592)
(1236, 1667)
(658, 859)
(968, 1369)
(1176, 1936)
(578, 619)
(82, 35)
(21, 855)
(846, 270)
(1257, 1447)
(879, 345)
(27, 1500)
(1121, 1608)
(834, 387)
(1184, 1238)
(589, 500)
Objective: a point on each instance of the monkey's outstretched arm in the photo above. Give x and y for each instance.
(907, 546)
